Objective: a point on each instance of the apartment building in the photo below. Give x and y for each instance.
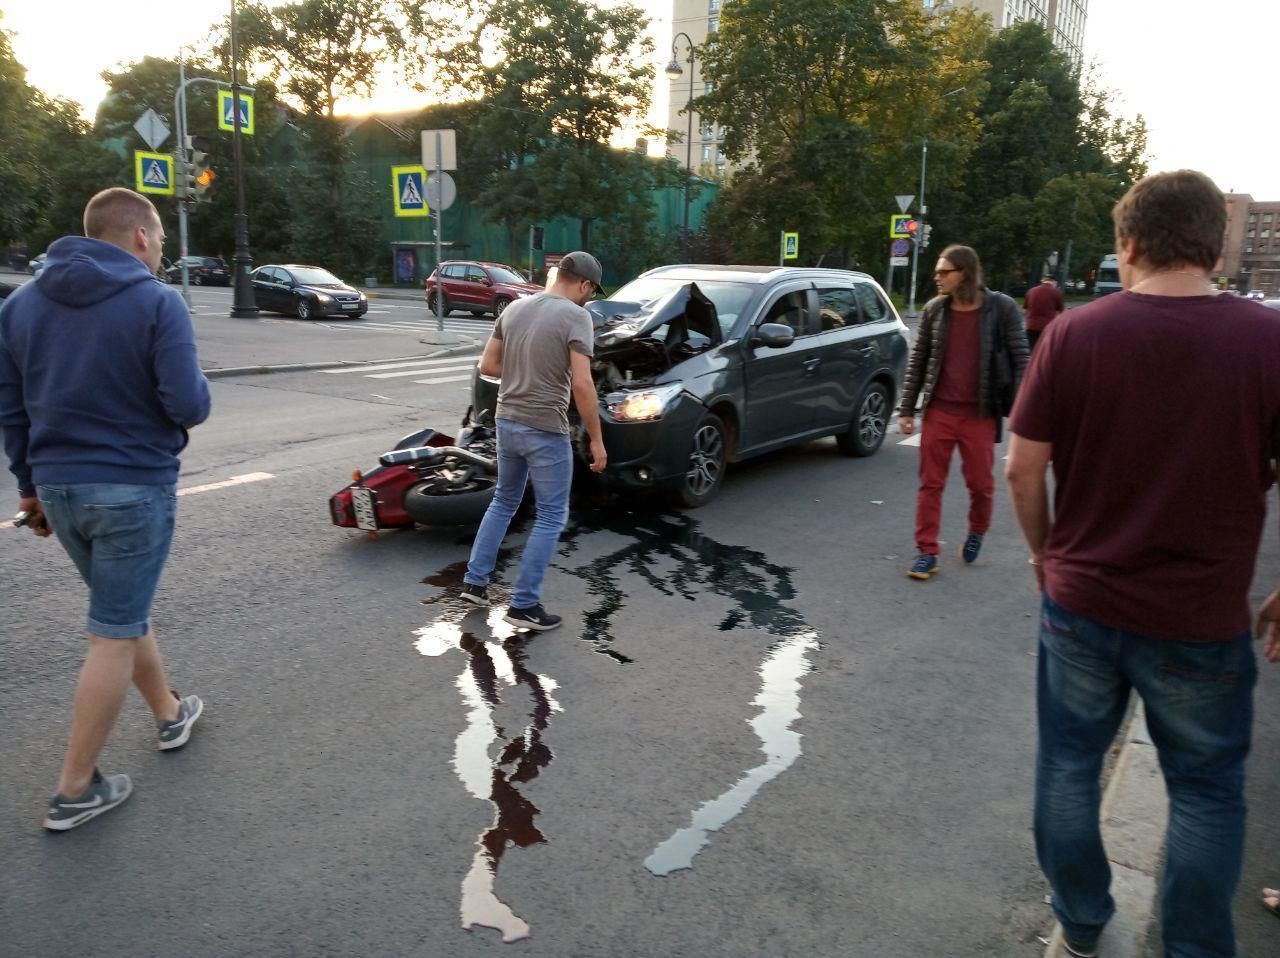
(1063, 19)
(1251, 246)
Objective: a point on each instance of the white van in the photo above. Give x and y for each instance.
(1108, 280)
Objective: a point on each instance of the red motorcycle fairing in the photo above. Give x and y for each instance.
(388, 485)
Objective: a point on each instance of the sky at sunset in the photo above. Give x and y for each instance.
(1189, 68)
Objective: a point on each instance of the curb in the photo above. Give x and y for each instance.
(1134, 816)
(226, 372)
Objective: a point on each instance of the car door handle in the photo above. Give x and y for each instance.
(811, 364)
(866, 350)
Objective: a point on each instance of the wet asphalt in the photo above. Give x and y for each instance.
(753, 735)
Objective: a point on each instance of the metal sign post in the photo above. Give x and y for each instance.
(439, 248)
(181, 155)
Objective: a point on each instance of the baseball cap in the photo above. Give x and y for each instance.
(584, 265)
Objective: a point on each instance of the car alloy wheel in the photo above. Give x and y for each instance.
(304, 309)
(431, 305)
(870, 425)
(500, 304)
(708, 455)
(196, 280)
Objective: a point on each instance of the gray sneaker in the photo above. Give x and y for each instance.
(175, 734)
(105, 792)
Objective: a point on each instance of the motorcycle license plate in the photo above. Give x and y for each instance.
(364, 503)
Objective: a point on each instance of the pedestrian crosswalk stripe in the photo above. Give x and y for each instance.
(436, 382)
(419, 372)
(911, 440)
(382, 367)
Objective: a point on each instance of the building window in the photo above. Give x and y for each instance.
(706, 153)
(713, 24)
(714, 6)
(708, 130)
(706, 88)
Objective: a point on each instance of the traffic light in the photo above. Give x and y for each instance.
(538, 234)
(184, 179)
(203, 174)
(924, 236)
(913, 228)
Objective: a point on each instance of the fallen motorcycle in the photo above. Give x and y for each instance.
(429, 477)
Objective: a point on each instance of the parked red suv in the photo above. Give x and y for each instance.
(478, 287)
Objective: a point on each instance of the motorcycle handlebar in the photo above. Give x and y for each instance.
(435, 454)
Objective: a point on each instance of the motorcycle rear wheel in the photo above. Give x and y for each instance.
(462, 507)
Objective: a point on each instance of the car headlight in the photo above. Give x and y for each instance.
(642, 405)
(324, 299)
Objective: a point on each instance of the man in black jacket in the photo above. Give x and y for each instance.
(953, 373)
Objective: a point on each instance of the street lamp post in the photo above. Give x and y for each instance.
(674, 72)
(915, 253)
(242, 304)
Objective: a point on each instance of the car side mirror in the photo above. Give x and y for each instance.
(773, 336)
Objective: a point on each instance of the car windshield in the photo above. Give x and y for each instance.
(500, 274)
(311, 276)
(730, 298)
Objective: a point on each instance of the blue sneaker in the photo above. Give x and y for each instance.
(105, 792)
(175, 734)
(924, 566)
(972, 546)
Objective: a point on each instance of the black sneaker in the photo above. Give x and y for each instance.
(475, 594)
(535, 617)
(175, 734)
(972, 546)
(924, 566)
(1078, 951)
(104, 793)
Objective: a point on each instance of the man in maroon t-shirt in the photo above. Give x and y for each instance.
(1159, 409)
(1044, 304)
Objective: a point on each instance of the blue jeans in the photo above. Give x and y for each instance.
(524, 454)
(1199, 705)
(118, 535)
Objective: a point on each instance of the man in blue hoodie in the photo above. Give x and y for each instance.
(99, 382)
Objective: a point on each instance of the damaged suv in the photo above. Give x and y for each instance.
(701, 366)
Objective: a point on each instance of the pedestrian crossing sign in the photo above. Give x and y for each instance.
(408, 190)
(153, 172)
(226, 121)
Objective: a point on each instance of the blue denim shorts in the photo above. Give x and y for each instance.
(118, 536)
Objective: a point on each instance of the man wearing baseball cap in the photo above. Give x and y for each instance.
(541, 350)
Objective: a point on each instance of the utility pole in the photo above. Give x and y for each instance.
(915, 246)
(242, 304)
(180, 118)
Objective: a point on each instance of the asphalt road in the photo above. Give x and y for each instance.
(754, 735)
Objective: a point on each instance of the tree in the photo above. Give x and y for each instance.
(321, 49)
(568, 76)
(825, 151)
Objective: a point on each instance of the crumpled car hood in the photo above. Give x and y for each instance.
(686, 310)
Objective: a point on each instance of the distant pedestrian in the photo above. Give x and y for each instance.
(1044, 304)
(99, 383)
(541, 349)
(967, 336)
(1159, 409)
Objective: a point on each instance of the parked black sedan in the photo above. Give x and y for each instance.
(307, 292)
(201, 271)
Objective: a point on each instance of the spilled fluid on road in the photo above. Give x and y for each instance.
(672, 556)
(495, 668)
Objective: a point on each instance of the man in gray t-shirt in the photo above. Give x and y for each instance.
(541, 350)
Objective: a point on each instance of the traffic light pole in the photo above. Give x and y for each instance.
(242, 304)
(180, 115)
(915, 250)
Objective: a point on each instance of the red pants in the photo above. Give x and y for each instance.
(940, 433)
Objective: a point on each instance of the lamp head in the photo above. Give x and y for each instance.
(674, 71)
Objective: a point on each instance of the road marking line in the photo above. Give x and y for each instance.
(419, 372)
(190, 490)
(225, 483)
(911, 440)
(436, 382)
(400, 365)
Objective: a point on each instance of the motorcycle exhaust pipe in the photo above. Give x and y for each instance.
(434, 455)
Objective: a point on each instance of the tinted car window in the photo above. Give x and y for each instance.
(476, 275)
(455, 271)
(837, 309)
(789, 310)
(873, 307)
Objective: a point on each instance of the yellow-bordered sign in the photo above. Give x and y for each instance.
(228, 122)
(898, 225)
(790, 245)
(153, 172)
(409, 190)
